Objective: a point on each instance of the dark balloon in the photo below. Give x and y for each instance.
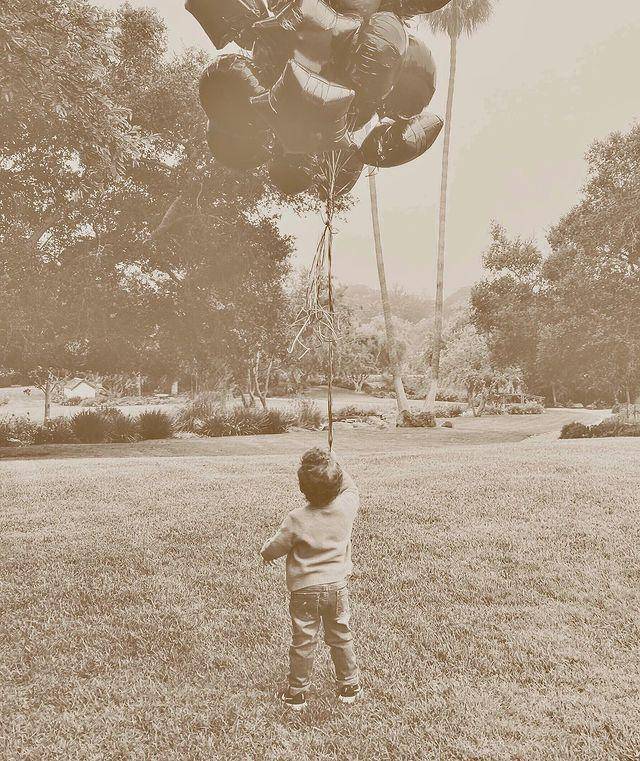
(393, 143)
(292, 174)
(362, 8)
(308, 31)
(226, 88)
(238, 151)
(416, 83)
(360, 114)
(307, 113)
(270, 59)
(373, 62)
(347, 164)
(409, 8)
(225, 21)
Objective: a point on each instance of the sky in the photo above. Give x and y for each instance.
(535, 87)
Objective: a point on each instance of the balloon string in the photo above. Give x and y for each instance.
(329, 222)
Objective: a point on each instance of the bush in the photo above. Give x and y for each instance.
(607, 428)
(450, 410)
(72, 401)
(155, 425)
(204, 406)
(17, 431)
(528, 408)
(352, 411)
(121, 428)
(308, 415)
(417, 419)
(4, 400)
(90, 427)
(56, 431)
(246, 421)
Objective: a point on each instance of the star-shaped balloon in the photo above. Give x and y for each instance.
(307, 112)
(309, 31)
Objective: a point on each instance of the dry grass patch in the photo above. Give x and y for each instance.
(496, 608)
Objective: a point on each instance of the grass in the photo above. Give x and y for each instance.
(495, 607)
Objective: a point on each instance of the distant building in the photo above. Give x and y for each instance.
(79, 387)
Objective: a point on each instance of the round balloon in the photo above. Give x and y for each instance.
(292, 174)
(238, 151)
(225, 21)
(392, 143)
(409, 8)
(373, 62)
(307, 112)
(362, 8)
(416, 83)
(308, 31)
(226, 87)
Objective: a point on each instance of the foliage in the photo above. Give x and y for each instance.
(74, 401)
(353, 411)
(572, 320)
(246, 421)
(308, 415)
(17, 431)
(121, 428)
(528, 408)
(90, 427)
(169, 262)
(56, 431)
(410, 419)
(205, 405)
(612, 427)
(155, 424)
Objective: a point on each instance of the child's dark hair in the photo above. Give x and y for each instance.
(319, 476)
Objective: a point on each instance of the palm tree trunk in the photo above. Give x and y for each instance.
(442, 224)
(401, 397)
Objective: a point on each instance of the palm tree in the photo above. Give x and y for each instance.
(394, 361)
(455, 19)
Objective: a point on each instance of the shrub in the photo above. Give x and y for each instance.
(17, 431)
(155, 425)
(278, 421)
(245, 421)
(575, 431)
(417, 419)
(352, 411)
(56, 431)
(72, 401)
(528, 408)
(90, 427)
(4, 400)
(204, 406)
(450, 410)
(308, 415)
(121, 428)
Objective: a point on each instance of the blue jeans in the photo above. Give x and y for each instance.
(309, 607)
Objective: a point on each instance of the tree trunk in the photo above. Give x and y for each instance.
(139, 385)
(442, 224)
(47, 397)
(553, 394)
(401, 397)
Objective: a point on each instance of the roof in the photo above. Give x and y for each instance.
(75, 382)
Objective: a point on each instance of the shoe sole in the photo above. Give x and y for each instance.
(352, 699)
(294, 707)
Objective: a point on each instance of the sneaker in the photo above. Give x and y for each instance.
(350, 693)
(296, 702)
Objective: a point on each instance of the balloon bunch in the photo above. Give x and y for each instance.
(318, 73)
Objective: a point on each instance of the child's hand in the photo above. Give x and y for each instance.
(271, 563)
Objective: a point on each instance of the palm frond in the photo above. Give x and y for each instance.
(460, 17)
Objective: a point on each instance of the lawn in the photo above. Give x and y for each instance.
(496, 607)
